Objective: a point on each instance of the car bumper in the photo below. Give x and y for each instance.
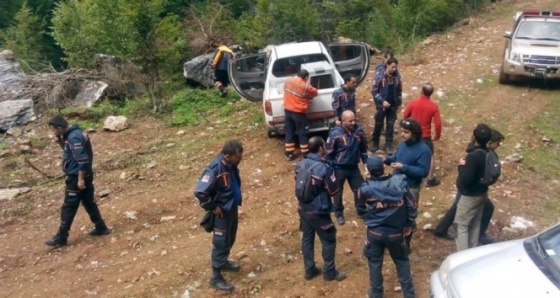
(436, 288)
(531, 70)
(320, 121)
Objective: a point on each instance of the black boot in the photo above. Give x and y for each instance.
(57, 241)
(99, 231)
(389, 148)
(217, 281)
(375, 146)
(231, 266)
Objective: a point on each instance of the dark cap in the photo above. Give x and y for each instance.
(374, 164)
(58, 121)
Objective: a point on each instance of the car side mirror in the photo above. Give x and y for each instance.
(507, 34)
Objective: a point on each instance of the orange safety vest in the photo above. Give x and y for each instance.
(297, 93)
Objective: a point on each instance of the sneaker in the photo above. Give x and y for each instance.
(99, 232)
(56, 241)
(433, 182)
(340, 220)
(340, 275)
(443, 235)
(314, 272)
(231, 266)
(485, 239)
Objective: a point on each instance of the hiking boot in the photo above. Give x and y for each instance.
(231, 266)
(485, 239)
(221, 284)
(340, 220)
(311, 274)
(56, 241)
(433, 182)
(99, 232)
(388, 148)
(375, 147)
(339, 275)
(443, 235)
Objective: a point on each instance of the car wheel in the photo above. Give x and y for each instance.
(503, 78)
(272, 133)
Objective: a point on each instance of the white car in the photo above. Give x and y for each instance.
(261, 78)
(525, 268)
(532, 48)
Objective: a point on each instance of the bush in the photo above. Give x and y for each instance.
(190, 106)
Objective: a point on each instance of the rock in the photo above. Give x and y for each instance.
(130, 215)
(479, 81)
(11, 76)
(104, 193)
(151, 165)
(180, 132)
(546, 139)
(115, 123)
(346, 251)
(427, 227)
(15, 132)
(263, 243)
(251, 275)
(428, 41)
(91, 130)
(186, 294)
(427, 215)
(15, 113)
(8, 194)
(167, 218)
(397, 289)
(122, 176)
(516, 157)
(163, 253)
(198, 72)
(440, 93)
(90, 92)
(24, 149)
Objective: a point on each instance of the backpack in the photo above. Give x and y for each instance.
(305, 190)
(492, 168)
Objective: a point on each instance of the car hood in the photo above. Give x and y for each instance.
(536, 47)
(506, 272)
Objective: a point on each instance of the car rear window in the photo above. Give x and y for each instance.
(290, 66)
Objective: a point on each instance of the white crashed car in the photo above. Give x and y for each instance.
(524, 268)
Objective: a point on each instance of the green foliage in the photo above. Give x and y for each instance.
(24, 38)
(423, 17)
(191, 106)
(4, 145)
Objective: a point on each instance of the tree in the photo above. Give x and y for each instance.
(24, 38)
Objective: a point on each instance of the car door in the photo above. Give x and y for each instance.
(248, 75)
(350, 58)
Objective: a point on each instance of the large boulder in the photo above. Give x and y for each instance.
(15, 113)
(11, 76)
(90, 92)
(198, 72)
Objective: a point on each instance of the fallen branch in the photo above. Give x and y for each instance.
(27, 161)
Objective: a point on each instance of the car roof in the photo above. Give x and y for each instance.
(298, 49)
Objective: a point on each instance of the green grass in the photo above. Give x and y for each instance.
(4, 145)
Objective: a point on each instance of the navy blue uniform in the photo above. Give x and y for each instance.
(343, 100)
(315, 216)
(220, 185)
(388, 89)
(391, 209)
(78, 156)
(345, 150)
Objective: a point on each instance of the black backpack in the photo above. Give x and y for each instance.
(492, 169)
(305, 190)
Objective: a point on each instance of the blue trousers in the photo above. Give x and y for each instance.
(225, 231)
(322, 225)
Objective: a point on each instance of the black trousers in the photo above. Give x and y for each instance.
(447, 220)
(354, 177)
(225, 231)
(72, 198)
(381, 115)
(322, 225)
(296, 124)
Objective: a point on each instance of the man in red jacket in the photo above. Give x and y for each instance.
(425, 111)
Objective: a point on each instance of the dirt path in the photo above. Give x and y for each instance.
(157, 249)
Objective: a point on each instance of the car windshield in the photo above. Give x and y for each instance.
(539, 31)
(549, 242)
(290, 66)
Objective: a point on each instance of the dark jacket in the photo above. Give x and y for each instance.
(468, 180)
(215, 185)
(381, 67)
(342, 100)
(415, 157)
(346, 148)
(324, 179)
(391, 206)
(78, 154)
(380, 89)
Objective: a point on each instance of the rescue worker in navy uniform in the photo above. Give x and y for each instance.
(298, 92)
(315, 216)
(220, 66)
(219, 190)
(344, 98)
(346, 146)
(387, 95)
(77, 165)
(391, 214)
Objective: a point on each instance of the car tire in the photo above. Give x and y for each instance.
(271, 133)
(503, 78)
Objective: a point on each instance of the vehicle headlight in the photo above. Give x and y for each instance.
(443, 271)
(513, 56)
